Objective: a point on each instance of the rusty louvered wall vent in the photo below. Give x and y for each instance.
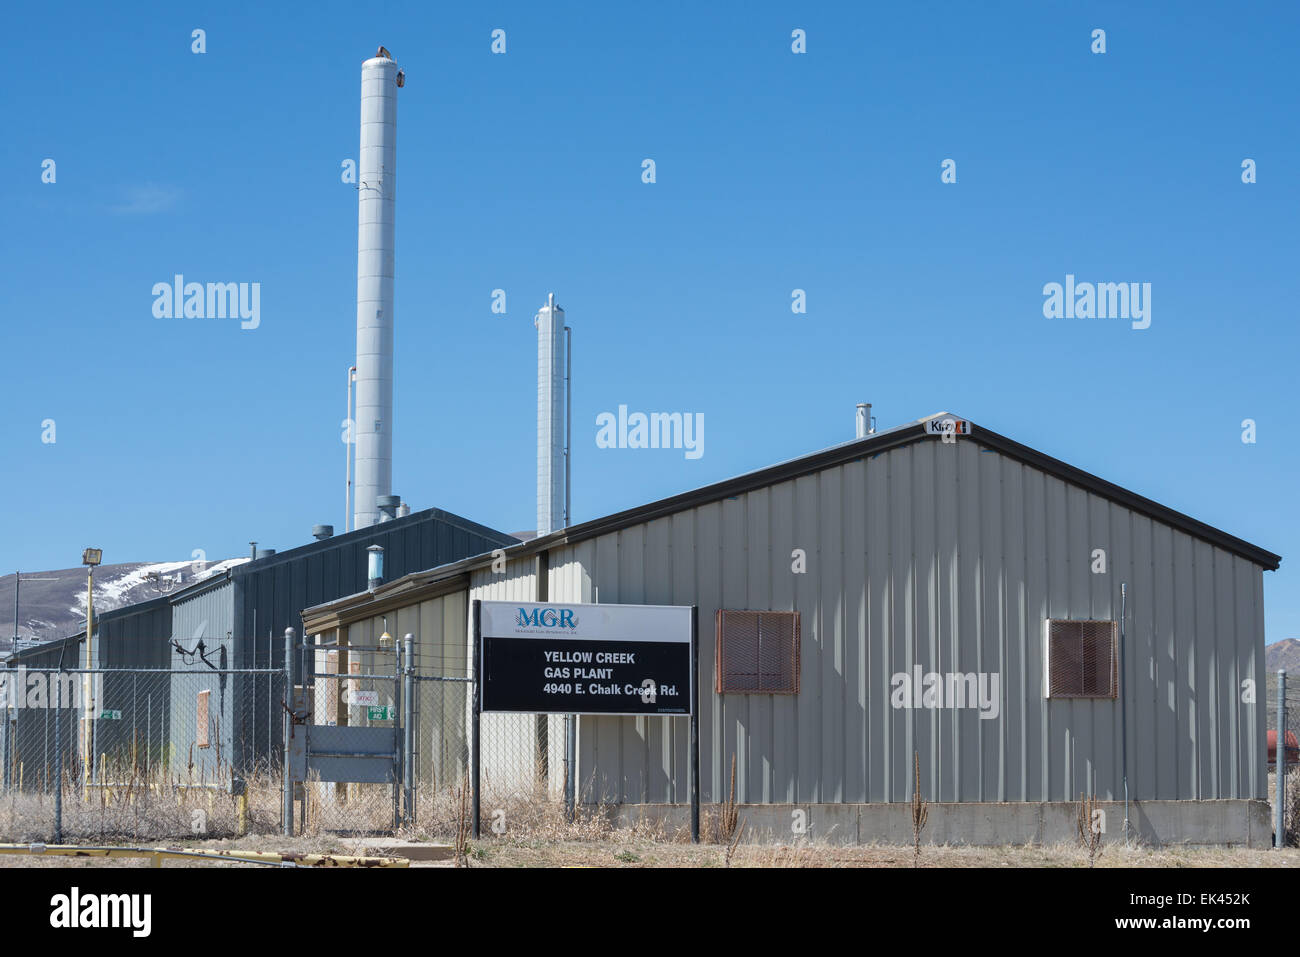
(756, 652)
(1082, 659)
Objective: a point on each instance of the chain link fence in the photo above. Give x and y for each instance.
(139, 753)
(1290, 739)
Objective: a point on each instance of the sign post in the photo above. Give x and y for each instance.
(474, 721)
(569, 658)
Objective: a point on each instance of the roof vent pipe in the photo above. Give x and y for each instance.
(375, 566)
(403, 510)
(252, 549)
(264, 553)
(387, 506)
(322, 532)
(866, 425)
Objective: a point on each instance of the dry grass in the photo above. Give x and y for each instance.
(626, 849)
(536, 832)
(136, 807)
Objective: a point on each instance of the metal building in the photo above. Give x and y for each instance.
(922, 550)
(238, 616)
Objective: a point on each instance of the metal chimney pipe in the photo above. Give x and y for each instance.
(551, 388)
(322, 532)
(387, 506)
(376, 191)
(375, 566)
(865, 427)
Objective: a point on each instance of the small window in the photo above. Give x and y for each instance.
(757, 652)
(1082, 659)
(201, 720)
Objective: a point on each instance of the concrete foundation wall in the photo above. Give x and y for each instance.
(1227, 823)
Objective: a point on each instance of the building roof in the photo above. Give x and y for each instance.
(454, 575)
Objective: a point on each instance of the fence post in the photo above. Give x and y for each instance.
(475, 729)
(408, 749)
(288, 732)
(570, 764)
(58, 765)
(1279, 755)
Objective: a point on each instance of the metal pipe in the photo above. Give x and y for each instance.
(475, 726)
(1279, 761)
(287, 796)
(568, 425)
(864, 420)
(347, 472)
(550, 417)
(58, 769)
(376, 201)
(407, 716)
(570, 764)
(570, 720)
(87, 681)
(1123, 700)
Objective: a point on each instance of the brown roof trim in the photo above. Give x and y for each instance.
(1130, 500)
(839, 455)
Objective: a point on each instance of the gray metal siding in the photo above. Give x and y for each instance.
(135, 636)
(950, 557)
(207, 616)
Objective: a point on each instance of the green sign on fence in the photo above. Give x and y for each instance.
(382, 713)
(110, 716)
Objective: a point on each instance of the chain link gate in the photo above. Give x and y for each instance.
(343, 738)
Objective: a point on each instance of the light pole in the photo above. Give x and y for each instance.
(90, 558)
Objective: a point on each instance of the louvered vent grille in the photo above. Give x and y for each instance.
(757, 652)
(1082, 659)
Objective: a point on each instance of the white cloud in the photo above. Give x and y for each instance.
(148, 199)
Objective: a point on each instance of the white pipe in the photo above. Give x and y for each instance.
(568, 425)
(377, 191)
(550, 417)
(352, 437)
(864, 420)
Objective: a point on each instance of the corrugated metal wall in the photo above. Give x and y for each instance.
(204, 614)
(135, 636)
(949, 557)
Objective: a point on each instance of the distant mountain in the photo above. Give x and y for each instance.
(1283, 655)
(52, 604)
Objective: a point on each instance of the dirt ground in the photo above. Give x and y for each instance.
(633, 851)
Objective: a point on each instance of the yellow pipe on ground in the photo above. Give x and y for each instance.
(248, 857)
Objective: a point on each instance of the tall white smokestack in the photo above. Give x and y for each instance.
(551, 396)
(377, 189)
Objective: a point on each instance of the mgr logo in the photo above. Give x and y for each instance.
(547, 618)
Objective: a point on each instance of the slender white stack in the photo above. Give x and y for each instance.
(377, 190)
(550, 417)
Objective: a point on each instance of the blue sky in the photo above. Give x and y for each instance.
(522, 171)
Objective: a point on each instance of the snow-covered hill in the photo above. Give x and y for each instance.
(52, 604)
